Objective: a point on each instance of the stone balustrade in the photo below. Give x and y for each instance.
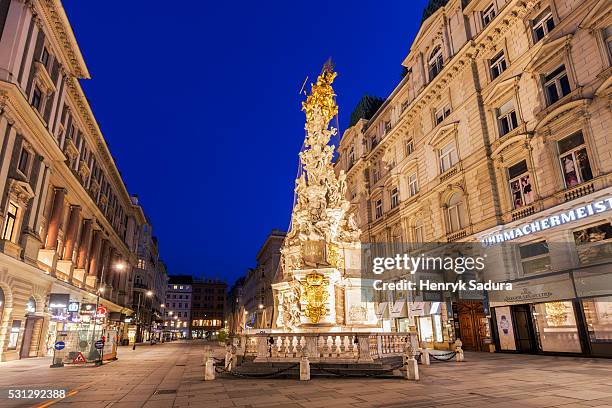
(341, 347)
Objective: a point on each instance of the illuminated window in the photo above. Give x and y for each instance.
(574, 159)
(520, 185)
(11, 220)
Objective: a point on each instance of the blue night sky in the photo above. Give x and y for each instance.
(199, 104)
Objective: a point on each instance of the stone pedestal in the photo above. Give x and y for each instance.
(304, 369)
(90, 281)
(78, 277)
(64, 269)
(410, 371)
(10, 248)
(47, 259)
(31, 246)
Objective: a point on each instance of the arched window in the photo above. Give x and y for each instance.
(435, 62)
(455, 213)
(30, 306)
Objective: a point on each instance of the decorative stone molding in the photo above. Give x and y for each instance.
(20, 192)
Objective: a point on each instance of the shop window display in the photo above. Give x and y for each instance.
(14, 335)
(556, 325)
(598, 314)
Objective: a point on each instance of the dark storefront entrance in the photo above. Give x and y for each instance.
(31, 337)
(525, 336)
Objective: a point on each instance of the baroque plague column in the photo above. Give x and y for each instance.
(320, 288)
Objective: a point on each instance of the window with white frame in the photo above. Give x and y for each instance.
(520, 185)
(506, 118)
(394, 197)
(413, 185)
(535, 257)
(435, 62)
(378, 210)
(556, 84)
(574, 160)
(497, 65)
(10, 222)
(542, 25)
(419, 234)
(488, 14)
(441, 113)
(409, 147)
(448, 157)
(455, 213)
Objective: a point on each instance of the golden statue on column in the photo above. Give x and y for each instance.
(320, 285)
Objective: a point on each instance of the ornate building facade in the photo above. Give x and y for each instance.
(501, 119)
(68, 225)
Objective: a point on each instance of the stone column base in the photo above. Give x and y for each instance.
(31, 246)
(90, 281)
(47, 259)
(78, 277)
(63, 269)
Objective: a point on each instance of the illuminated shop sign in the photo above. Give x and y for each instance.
(594, 208)
(88, 308)
(58, 300)
(73, 306)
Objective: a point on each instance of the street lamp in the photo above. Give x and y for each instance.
(163, 315)
(119, 266)
(149, 294)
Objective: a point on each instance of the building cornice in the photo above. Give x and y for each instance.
(86, 114)
(54, 16)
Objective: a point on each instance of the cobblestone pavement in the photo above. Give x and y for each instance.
(170, 375)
